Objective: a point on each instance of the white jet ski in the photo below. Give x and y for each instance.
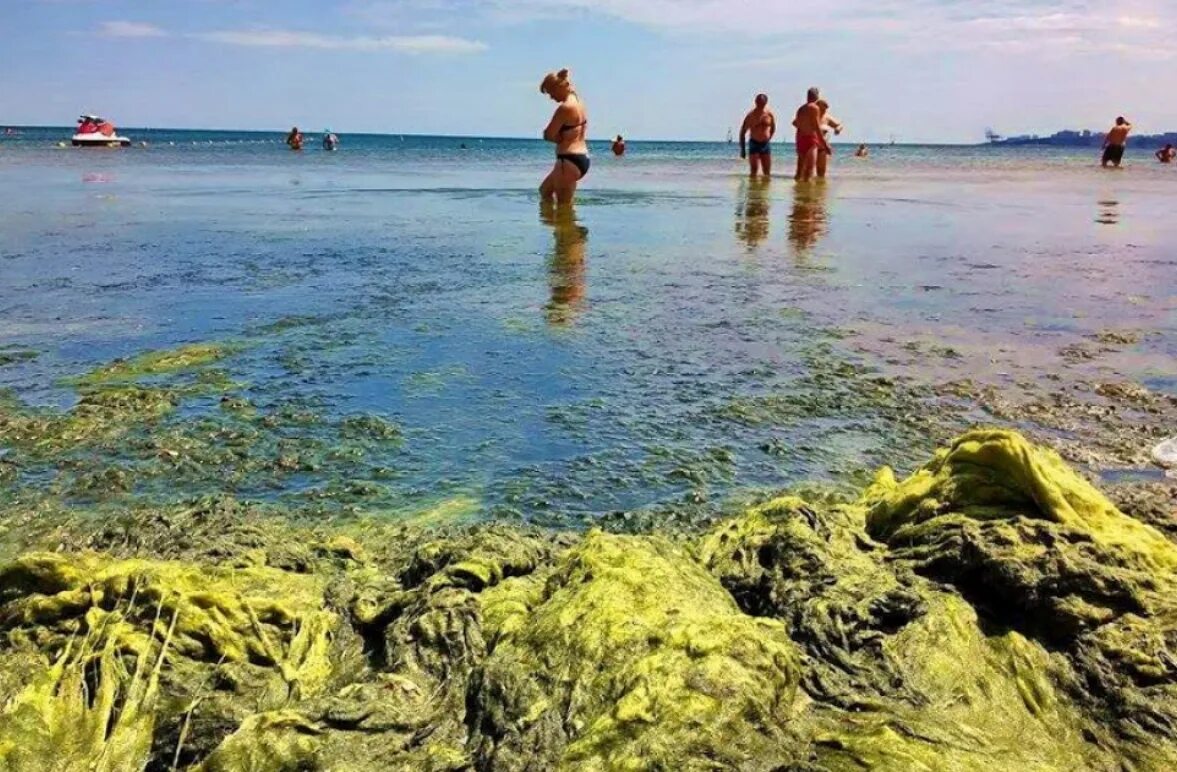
(99, 133)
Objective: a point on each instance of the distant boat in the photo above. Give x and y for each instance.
(94, 131)
(993, 137)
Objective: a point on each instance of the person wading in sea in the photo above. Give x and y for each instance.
(294, 139)
(1115, 142)
(1166, 154)
(761, 124)
(567, 131)
(809, 136)
(828, 123)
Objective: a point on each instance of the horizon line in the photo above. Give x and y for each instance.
(469, 136)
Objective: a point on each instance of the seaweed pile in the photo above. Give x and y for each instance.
(992, 611)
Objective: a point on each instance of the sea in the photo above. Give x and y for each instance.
(683, 337)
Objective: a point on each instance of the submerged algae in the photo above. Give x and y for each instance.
(184, 358)
(993, 611)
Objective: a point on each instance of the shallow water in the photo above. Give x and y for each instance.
(685, 336)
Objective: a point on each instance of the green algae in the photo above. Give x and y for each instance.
(999, 475)
(992, 611)
(84, 711)
(151, 363)
(636, 659)
(9, 355)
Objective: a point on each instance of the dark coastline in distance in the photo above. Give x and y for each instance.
(1087, 139)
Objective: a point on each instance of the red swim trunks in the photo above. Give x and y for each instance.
(808, 142)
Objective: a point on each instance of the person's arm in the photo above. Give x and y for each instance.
(835, 124)
(772, 126)
(744, 138)
(552, 132)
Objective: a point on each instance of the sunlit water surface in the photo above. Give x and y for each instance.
(564, 367)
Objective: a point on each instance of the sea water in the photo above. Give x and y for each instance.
(684, 335)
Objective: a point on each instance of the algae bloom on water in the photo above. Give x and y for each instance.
(992, 611)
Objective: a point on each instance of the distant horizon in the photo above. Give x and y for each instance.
(781, 138)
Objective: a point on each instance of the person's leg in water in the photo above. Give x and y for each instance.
(823, 163)
(807, 164)
(565, 177)
(766, 164)
(547, 188)
(560, 184)
(753, 164)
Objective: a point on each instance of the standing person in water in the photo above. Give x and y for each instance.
(567, 130)
(828, 122)
(1166, 154)
(294, 139)
(761, 124)
(862, 152)
(619, 146)
(1115, 142)
(810, 140)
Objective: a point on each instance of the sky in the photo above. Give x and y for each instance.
(918, 70)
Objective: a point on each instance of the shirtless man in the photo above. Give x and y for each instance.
(1113, 144)
(761, 124)
(809, 136)
(1166, 154)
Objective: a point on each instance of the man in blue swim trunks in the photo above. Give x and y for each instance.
(761, 124)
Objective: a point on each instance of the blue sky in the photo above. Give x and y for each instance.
(923, 70)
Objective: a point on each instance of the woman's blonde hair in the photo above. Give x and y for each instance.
(554, 79)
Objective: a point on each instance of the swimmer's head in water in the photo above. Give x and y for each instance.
(761, 100)
(813, 94)
(557, 85)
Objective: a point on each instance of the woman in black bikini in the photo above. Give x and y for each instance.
(567, 130)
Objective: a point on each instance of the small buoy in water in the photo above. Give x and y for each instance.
(61, 144)
(1165, 454)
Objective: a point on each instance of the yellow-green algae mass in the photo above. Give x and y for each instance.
(993, 611)
(181, 359)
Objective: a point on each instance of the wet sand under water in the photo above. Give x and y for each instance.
(681, 340)
(676, 343)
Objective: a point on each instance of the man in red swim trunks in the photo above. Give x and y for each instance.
(809, 137)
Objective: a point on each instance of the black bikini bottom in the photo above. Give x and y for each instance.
(579, 160)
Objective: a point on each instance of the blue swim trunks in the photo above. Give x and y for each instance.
(759, 148)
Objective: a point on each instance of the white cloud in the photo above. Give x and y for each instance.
(129, 29)
(278, 38)
(938, 25)
(410, 44)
